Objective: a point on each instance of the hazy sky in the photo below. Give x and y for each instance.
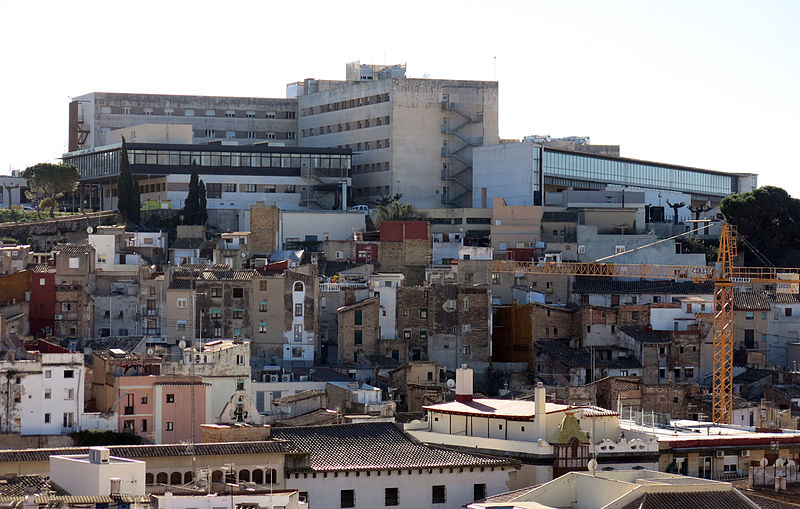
(707, 84)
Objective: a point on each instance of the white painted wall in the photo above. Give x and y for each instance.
(265, 392)
(387, 320)
(324, 224)
(80, 477)
(506, 171)
(414, 490)
(34, 405)
(287, 500)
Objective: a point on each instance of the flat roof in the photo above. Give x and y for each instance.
(512, 408)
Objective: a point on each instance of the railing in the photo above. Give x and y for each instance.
(335, 287)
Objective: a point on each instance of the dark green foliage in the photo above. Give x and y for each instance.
(696, 245)
(396, 211)
(191, 208)
(203, 204)
(769, 219)
(129, 201)
(92, 438)
(51, 181)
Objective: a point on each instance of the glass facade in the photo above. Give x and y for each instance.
(635, 173)
(106, 163)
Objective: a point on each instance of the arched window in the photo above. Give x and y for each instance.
(216, 476)
(175, 478)
(148, 478)
(244, 475)
(161, 478)
(187, 477)
(258, 476)
(273, 476)
(298, 286)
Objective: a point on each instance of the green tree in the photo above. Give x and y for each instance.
(129, 199)
(191, 207)
(396, 211)
(51, 181)
(203, 204)
(769, 220)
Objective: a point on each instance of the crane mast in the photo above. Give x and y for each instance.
(723, 329)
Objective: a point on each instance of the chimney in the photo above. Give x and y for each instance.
(539, 423)
(463, 384)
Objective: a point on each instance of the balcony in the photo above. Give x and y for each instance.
(151, 312)
(335, 287)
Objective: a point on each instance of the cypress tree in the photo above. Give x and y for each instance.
(202, 204)
(191, 208)
(126, 188)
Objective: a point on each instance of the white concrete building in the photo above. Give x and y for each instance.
(385, 285)
(98, 473)
(409, 136)
(376, 465)
(10, 190)
(680, 318)
(319, 225)
(44, 395)
(287, 499)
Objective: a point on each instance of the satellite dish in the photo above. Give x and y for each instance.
(764, 462)
(150, 351)
(592, 465)
(89, 230)
(181, 344)
(779, 462)
(244, 254)
(451, 383)
(790, 463)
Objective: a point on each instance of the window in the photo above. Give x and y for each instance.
(68, 419)
(229, 188)
(289, 189)
(249, 188)
(144, 400)
(262, 306)
(298, 332)
(47, 394)
(465, 350)
(128, 426)
(677, 373)
(127, 110)
(210, 113)
(688, 372)
(390, 497)
(423, 334)
(479, 490)
(230, 113)
(169, 112)
(69, 393)
(230, 134)
(144, 425)
(423, 312)
(214, 190)
(748, 315)
(181, 302)
(48, 373)
(68, 373)
(787, 312)
(188, 113)
(298, 310)
(148, 111)
(438, 494)
(74, 263)
(170, 398)
(210, 133)
(240, 360)
(407, 334)
(348, 498)
(357, 317)
(170, 426)
(238, 314)
(763, 314)
(250, 114)
(180, 325)
(47, 418)
(495, 278)
(262, 327)
(465, 304)
(358, 337)
(465, 328)
(238, 293)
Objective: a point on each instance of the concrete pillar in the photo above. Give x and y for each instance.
(540, 419)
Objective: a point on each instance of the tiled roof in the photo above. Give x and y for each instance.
(508, 496)
(565, 216)
(327, 375)
(180, 284)
(300, 396)
(13, 486)
(779, 298)
(603, 285)
(375, 446)
(188, 243)
(127, 343)
(694, 500)
(228, 275)
(559, 350)
(156, 451)
(72, 248)
(645, 335)
(319, 417)
(751, 375)
(36, 267)
(769, 503)
(361, 303)
(750, 301)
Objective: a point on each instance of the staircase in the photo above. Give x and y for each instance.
(458, 161)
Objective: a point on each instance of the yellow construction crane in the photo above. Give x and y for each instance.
(724, 275)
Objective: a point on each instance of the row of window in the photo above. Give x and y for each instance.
(67, 419)
(346, 126)
(250, 135)
(192, 112)
(346, 104)
(392, 495)
(371, 167)
(371, 191)
(236, 159)
(215, 190)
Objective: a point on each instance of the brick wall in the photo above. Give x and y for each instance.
(264, 227)
(366, 312)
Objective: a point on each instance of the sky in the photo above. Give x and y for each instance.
(710, 84)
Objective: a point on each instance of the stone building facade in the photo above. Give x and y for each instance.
(359, 331)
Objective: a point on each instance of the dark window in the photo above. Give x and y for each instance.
(213, 190)
(423, 312)
(438, 494)
(788, 311)
(238, 293)
(749, 339)
(357, 317)
(479, 490)
(391, 496)
(68, 373)
(170, 398)
(348, 498)
(144, 424)
(358, 337)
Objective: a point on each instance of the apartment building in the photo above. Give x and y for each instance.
(244, 120)
(75, 284)
(409, 136)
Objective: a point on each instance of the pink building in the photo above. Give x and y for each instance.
(159, 408)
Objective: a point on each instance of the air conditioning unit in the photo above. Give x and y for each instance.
(287, 378)
(99, 455)
(274, 378)
(744, 454)
(59, 317)
(720, 454)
